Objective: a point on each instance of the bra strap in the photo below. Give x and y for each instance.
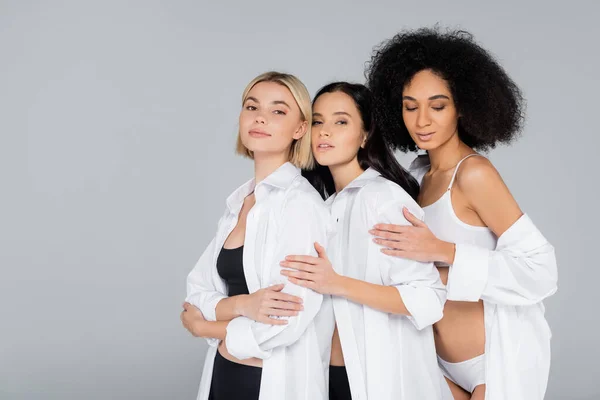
(457, 166)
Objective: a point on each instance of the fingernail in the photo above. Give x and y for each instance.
(282, 263)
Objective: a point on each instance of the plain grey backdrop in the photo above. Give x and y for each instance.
(118, 123)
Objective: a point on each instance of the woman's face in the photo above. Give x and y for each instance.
(337, 132)
(270, 120)
(428, 110)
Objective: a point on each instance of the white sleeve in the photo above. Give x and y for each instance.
(520, 271)
(202, 287)
(418, 283)
(303, 222)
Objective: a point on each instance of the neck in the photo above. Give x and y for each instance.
(343, 174)
(266, 163)
(447, 155)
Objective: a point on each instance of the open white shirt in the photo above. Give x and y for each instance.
(288, 217)
(512, 280)
(387, 356)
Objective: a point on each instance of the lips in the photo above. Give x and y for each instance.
(425, 136)
(322, 147)
(257, 133)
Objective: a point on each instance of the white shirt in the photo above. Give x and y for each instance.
(387, 356)
(512, 280)
(288, 217)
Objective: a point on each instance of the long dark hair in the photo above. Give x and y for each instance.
(376, 154)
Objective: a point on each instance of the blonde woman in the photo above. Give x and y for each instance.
(269, 338)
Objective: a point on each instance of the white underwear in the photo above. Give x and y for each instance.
(467, 374)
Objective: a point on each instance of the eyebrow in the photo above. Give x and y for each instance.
(281, 102)
(335, 113)
(276, 102)
(437, 96)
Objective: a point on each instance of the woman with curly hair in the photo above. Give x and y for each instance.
(443, 93)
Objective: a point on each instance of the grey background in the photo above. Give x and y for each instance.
(117, 124)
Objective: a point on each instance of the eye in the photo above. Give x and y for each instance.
(250, 108)
(279, 112)
(316, 123)
(408, 108)
(341, 122)
(438, 108)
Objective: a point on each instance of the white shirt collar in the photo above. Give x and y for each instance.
(363, 179)
(367, 176)
(281, 178)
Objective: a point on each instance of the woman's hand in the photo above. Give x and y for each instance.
(414, 242)
(193, 320)
(266, 303)
(315, 273)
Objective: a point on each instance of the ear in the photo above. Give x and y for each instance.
(301, 131)
(364, 142)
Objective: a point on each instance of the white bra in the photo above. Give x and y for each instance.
(445, 224)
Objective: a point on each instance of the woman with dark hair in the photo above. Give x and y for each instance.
(442, 92)
(383, 346)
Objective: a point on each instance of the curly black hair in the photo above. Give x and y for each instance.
(489, 103)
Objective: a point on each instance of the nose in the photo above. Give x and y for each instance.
(260, 119)
(323, 133)
(423, 119)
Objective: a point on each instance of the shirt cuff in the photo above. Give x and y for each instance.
(468, 274)
(212, 342)
(423, 312)
(240, 340)
(208, 306)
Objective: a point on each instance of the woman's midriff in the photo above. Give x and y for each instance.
(337, 356)
(253, 362)
(460, 334)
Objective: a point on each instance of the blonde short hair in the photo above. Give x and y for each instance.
(301, 152)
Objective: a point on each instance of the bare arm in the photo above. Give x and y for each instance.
(193, 320)
(261, 306)
(521, 270)
(410, 288)
(487, 194)
(317, 273)
(379, 297)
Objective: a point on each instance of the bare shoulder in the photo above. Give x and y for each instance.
(478, 174)
(487, 194)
